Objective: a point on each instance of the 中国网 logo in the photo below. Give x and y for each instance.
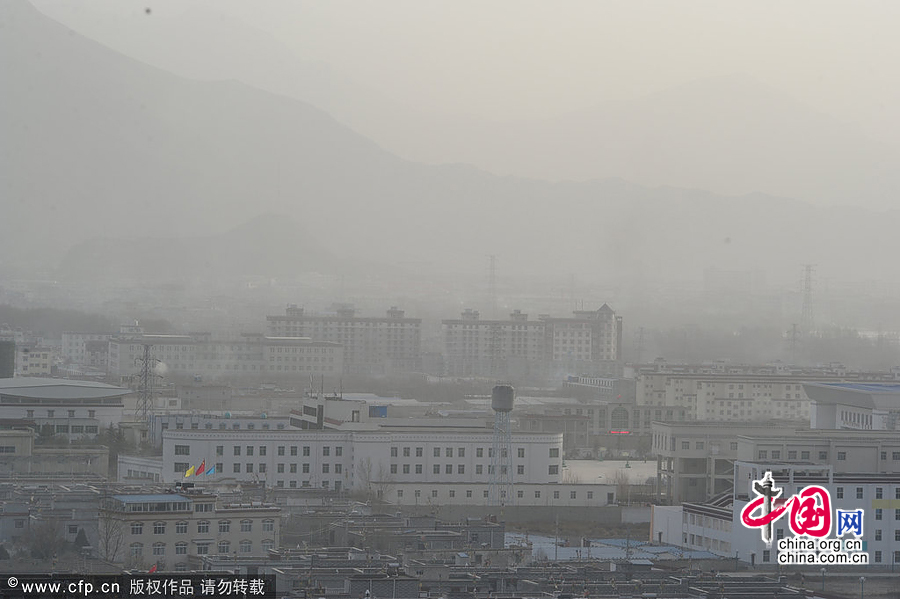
(809, 517)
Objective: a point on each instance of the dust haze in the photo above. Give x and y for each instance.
(681, 162)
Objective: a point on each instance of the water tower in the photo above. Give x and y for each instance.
(501, 480)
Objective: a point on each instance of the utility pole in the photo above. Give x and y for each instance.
(807, 315)
(639, 346)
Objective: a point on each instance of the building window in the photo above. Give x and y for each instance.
(878, 534)
(203, 527)
(553, 469)
(224, 526)
(268, 525)
(877, 557)
(246, 525)
(555, 494)
(236, 468)
(840, 492)
(479, 452)
(537, 494)
(878, 513)
(554, 452)
(246, 546)
(573, 494)
(137, 549)
(767, 555)
(685, 444)
(181, 527)
(823, 455)
(436, 469)
(434, 493)
(776, 454)
(159, 528)
(521, 452)
(281, 450)
(804, 455)
(202, 548)
(224, 547)
(405, 468)
(237, 450)
(294, 450)
(859, 492)
(137, 528)
(159, 548)
(763, 454)
(182, 450)
(419, 452)
(842, 455)
(879, 492)
(437, 452)
(590, 494)
(485, 494)
(181, 548)
(326, 451)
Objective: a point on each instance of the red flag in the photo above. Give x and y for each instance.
(201, 468)
(152, 570)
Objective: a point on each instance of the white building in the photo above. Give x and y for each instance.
(372, 345)
(855, 406)
(72, 408)
(401, 464)
(860, 469)
(247, 357)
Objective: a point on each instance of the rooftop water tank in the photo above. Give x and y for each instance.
(502, 398)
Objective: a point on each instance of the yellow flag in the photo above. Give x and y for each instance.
(189, 472)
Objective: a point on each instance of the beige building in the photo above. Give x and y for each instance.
(372, 345)
(169, 530)
(587, 343)
(34, 360)
(201, 356)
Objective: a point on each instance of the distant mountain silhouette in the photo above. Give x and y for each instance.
(729, 134)
(100, 146)
(266, 246)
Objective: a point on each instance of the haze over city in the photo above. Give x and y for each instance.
(541, 242)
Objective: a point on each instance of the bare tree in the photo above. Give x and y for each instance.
(111, 536)
(623, 485)
(46, 539)
(383, 483)
(364, 478)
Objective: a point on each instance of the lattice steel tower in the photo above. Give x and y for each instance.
(145, 378)
(501, 480)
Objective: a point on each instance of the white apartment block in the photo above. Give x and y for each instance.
(74, 349)
(726, 397)
(365, 459)
(250, 356)
(169, 530)
(372, 345)
(587, 343)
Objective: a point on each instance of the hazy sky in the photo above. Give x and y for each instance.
(510, 59)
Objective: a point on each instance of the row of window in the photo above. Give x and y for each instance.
(610, 497)
(181, 527)
(222, 426)
(69, 414)
(181, 548)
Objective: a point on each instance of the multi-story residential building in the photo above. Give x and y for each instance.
(71, 408)
(169, 530)
(200, 356)
(78, 347)
(588, 343)
(209, 421)
(392, 462)
(34, 360)
(372, 345)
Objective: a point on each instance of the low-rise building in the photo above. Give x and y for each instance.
(169, 529)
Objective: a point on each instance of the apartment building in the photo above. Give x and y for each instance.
(372, 345)
(34, 360)
(169, 530)
(587, 343)
(200, 356)
(77, 347)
